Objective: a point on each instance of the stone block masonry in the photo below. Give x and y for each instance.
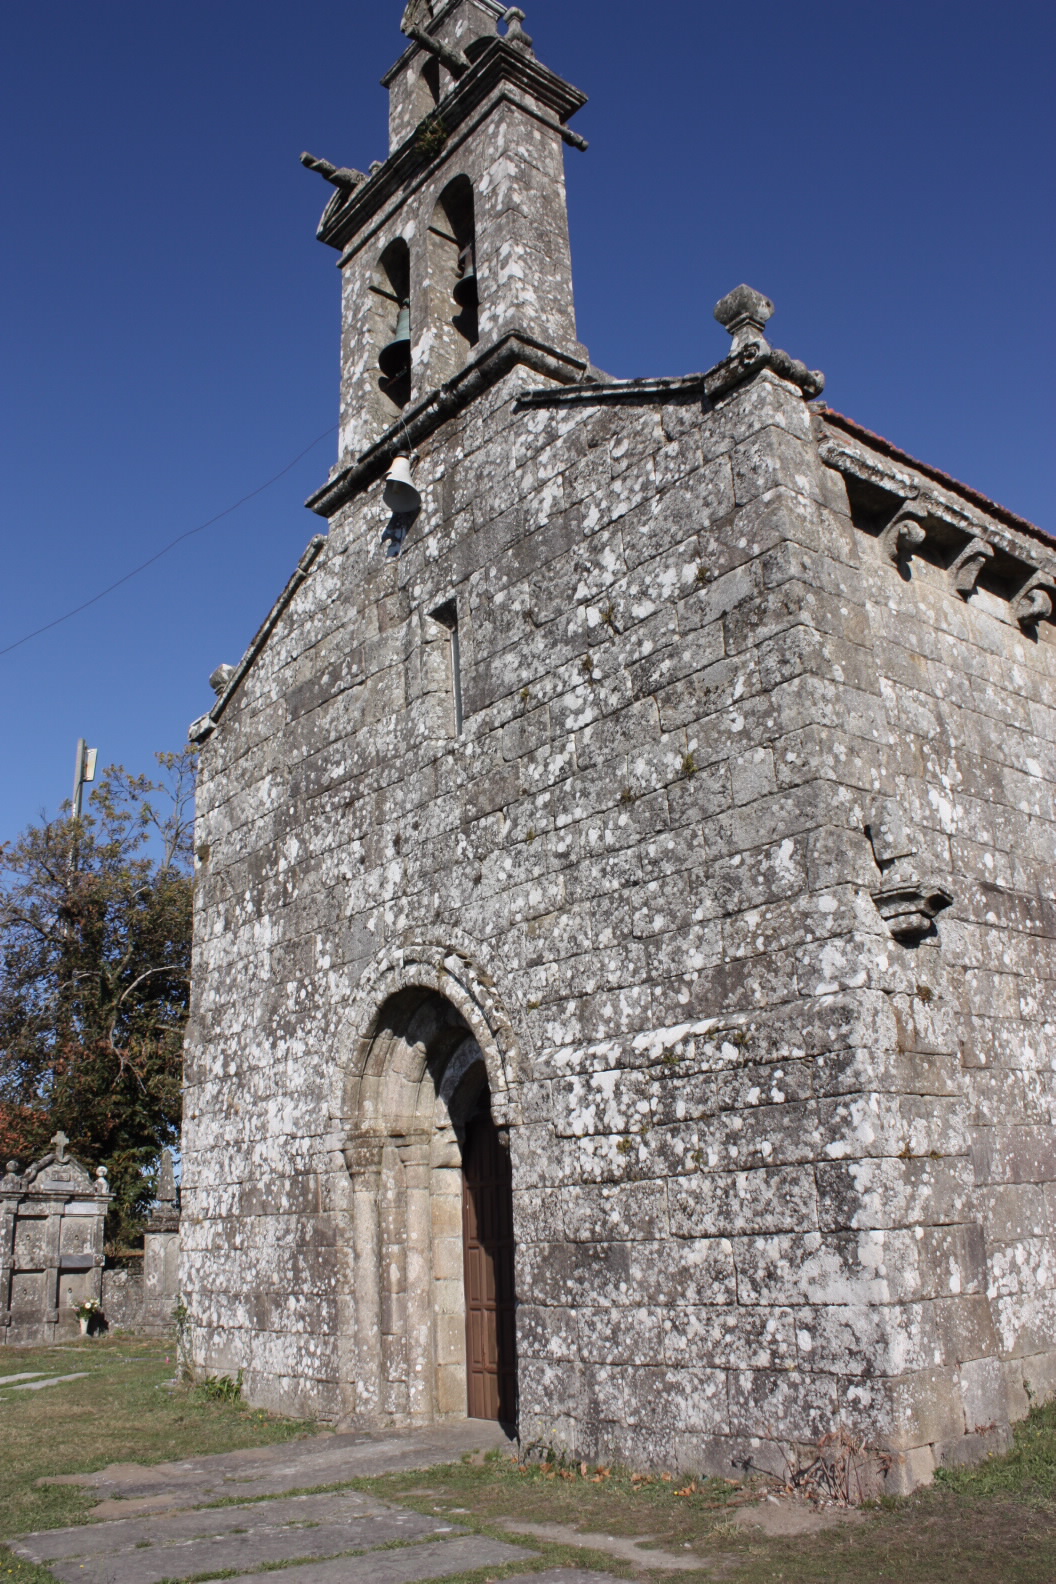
(714, 861)
(51, 1246)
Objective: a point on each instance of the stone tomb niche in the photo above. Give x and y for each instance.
(430, 1262)
(51, 1246)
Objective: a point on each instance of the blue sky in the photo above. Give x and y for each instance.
(169, 325)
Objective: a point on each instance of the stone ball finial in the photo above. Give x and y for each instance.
(744, 308)
(12, 1168)
(220, 679)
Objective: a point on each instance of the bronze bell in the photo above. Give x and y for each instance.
(466, 286)
(395, 359)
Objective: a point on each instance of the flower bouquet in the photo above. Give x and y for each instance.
(89, 1311)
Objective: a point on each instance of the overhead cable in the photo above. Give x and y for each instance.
(164, 551)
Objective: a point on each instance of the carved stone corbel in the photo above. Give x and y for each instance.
(1034, 601)
(905, 533)
(810, 381)
(967, 565)
(909, 906)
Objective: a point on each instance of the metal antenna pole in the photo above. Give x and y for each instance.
(84, 772)
(78, 778)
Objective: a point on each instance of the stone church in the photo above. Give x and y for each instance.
(625, 910)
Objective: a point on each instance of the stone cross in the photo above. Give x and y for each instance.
(60, 1142)
(167, 1180)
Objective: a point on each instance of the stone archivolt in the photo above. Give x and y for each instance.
(724, 885)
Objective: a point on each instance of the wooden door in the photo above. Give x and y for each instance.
(487, 1242)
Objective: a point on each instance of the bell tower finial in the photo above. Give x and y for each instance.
(745, 313)
(515, 33)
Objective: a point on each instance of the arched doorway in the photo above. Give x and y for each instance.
(430, 1262)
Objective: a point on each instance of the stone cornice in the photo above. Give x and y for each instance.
(499, 62)
(399, 194)
(877, 443)
(983, 532)
(434, 409)
(737, 369)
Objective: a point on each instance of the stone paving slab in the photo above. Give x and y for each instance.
(297, 1465)
(314, 1536)
(408, 1565)
(242, 1553)
(201, 1523)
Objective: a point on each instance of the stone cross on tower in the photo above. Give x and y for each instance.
(60, 1142)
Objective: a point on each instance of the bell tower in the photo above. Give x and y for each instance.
(459, 240)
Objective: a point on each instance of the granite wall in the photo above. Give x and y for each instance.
(720, 850)
(767, 1156)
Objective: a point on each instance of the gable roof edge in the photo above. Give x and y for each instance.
(204, 727)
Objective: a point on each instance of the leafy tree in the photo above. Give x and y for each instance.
(95, 944)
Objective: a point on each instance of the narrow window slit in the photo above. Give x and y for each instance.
(447, 616)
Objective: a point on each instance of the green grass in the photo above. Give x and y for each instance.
(994, 1524)
(1027, 1474)
(121, 1412)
